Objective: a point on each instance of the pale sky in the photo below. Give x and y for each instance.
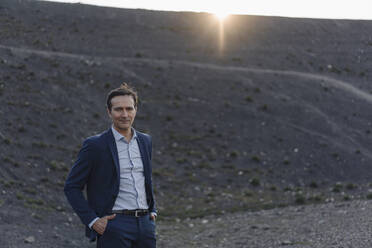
(334, 9)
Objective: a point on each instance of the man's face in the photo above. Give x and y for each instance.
(122, 112)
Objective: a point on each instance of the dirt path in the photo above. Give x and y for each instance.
(360, 94)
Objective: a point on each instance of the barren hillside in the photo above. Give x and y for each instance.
(279, 116)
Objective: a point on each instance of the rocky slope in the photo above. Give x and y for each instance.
(279, 115)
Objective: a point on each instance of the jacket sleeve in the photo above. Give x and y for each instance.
(153, 203)
(150, 148)
(76, 181)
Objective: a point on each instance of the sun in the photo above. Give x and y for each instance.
(221, 15)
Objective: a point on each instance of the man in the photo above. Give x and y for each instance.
(115, 168)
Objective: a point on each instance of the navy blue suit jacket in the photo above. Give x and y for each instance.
(97, 168)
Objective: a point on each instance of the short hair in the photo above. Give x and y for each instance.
(123, 90)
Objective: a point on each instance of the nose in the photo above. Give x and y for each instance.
(124, 113)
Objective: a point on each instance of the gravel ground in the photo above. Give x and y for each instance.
(326, 225)
(337, 225)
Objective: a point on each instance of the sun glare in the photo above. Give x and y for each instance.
(221, 15)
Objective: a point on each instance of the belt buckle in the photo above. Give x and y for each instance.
(136, 213)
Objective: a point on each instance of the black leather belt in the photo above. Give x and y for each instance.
(136, 213)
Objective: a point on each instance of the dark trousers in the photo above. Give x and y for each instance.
(128, 232)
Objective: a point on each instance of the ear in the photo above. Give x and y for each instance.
(108, 112)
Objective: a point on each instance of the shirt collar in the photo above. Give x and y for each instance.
(118, 136)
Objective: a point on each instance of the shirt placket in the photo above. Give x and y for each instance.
(131, 164)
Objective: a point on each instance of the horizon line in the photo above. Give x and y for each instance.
(194, 10)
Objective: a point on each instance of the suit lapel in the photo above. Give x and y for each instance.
(114, 152)
(144, 156)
